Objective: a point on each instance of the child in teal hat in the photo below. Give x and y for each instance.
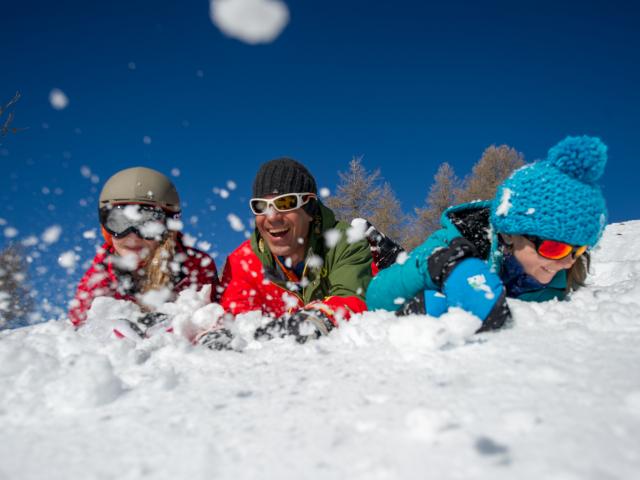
(531, 242)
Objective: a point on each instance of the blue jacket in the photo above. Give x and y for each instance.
(391, 287)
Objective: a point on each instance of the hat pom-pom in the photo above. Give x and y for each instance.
(583, 158)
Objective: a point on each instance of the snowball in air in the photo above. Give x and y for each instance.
(235, 222)
(68, 260)
(52, 234)
(251, 21)
(58, 99)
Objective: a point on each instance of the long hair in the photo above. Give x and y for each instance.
(157, 272)
(577, 274)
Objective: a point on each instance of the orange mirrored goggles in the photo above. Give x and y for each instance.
(281, 203)
(555, 250)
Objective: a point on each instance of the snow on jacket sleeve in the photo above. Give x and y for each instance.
(199, 269)
(391, 287)
(348, 277)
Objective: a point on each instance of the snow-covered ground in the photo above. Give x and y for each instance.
(555, 396)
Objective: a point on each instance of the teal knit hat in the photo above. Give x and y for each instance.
(557, 198)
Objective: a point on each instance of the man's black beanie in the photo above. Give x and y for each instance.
(283, 175)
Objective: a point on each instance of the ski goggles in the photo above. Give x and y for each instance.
(281, 203)
(146, 221)
(555, 250)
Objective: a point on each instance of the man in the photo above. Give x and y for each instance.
(298, 266)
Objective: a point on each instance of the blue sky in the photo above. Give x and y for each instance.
(407, 84)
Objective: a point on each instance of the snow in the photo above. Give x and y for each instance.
(479, 282)
(146, 140)
(554, 396)
(331, 237)
(58, 99)
(357, 230)
(52, 234)
(30, 241)
(152, 229)
(68, 260)
(10, 232)
(156, 298)
(174, 224)
(203, 245)
(324, 192)
(505, 203)
(402, 258)
(127, 263)
(223, 193)
(189, 240)
(251, 21)
(235, 222)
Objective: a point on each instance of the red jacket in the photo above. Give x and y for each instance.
(101, 280)
(250, 285)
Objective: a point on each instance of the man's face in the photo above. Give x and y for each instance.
(286, 233)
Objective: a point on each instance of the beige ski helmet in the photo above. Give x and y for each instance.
(140, 185)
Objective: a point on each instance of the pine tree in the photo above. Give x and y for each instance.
(15, 302)
(495, 165)
(441, 196)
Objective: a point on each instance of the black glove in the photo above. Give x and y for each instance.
(142, 327)
(219, 339)
(151, 319)
(304, 325)
(383, 250)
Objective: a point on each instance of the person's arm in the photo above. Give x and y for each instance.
(348, 279)
(200, 271)
(240, 294)
(94, 283)
(405, 279)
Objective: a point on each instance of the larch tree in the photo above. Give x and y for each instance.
(364, 194)
(358, 192)
(442, 194)
(495, 165)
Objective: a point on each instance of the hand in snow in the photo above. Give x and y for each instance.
(153, 321)
(219, 339)
(304, 325)
(143, 327)
(472, 286)
(435, 303)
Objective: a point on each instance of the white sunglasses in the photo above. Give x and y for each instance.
(281, 203)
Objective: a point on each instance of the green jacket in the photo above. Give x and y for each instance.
(337, 275)
(343, 270)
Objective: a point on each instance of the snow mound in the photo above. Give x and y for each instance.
(556, 394)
